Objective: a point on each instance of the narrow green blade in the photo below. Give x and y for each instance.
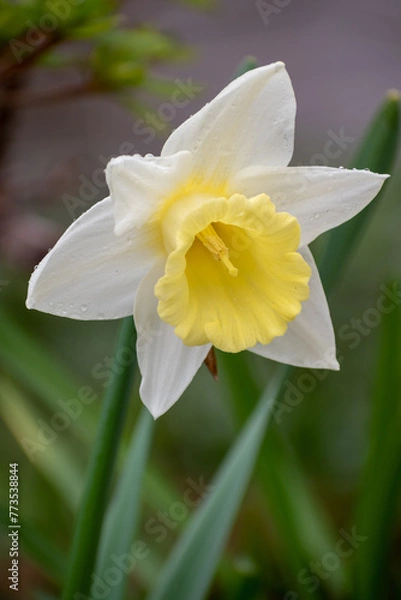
(380, 489)
(38, 371)
(190, 568)
(377, 152)
(100, 472)
(303, 524)
(49, 454)
(122, 517)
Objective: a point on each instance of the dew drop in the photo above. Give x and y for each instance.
(84, 308)
(100, 316)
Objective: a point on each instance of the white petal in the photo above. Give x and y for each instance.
(320, 197)
(166, 364)
(91, 273)
(251, 121)
(309, 340)
(139, 184)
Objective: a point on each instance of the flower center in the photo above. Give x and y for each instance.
(217, 247)
(233, 276)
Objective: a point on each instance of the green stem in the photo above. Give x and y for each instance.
(100, 471)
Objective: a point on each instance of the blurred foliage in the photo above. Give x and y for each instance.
(90, 37)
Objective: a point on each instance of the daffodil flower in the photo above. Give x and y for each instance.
(207, 244)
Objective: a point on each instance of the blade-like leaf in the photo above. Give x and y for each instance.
(49, 454)
(303, 525)
(380, 489)
(37, 371)
(191, 566)
(122, 516)
(377, 152)
(87, 531)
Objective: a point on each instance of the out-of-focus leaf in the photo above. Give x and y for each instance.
(377, 152)
(37, 370)
(43, 552)
(190, 568)
(302, 523)
(159, 489)
(247, 64)
(43, 596)
(94, 27)
(42, 445)
(120, 57)
(121, 520)
(380, 490)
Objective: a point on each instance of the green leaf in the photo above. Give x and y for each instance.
(379, 493)
(98, 481)
(48, 453)
(377, 152)
(36, 370)
(43, 552)
(94, 27)
(303, 525)
(190, 568)
(121, 57)
(247, 64)
(121, 520)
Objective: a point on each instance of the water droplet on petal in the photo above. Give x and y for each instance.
(100, 316)
(84, 307)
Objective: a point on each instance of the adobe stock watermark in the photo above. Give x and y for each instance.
(146, 128)
(156, 529)
(70, 409)
(268, 9)
(317, 571)
(352, 332)
(337, 143)
(36, 34)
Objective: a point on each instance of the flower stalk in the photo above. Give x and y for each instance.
(100, 471)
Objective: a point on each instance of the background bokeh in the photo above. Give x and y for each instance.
(342, 58)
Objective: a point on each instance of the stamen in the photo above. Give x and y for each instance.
(217, 247)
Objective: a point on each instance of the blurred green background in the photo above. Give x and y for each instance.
(81, 82)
